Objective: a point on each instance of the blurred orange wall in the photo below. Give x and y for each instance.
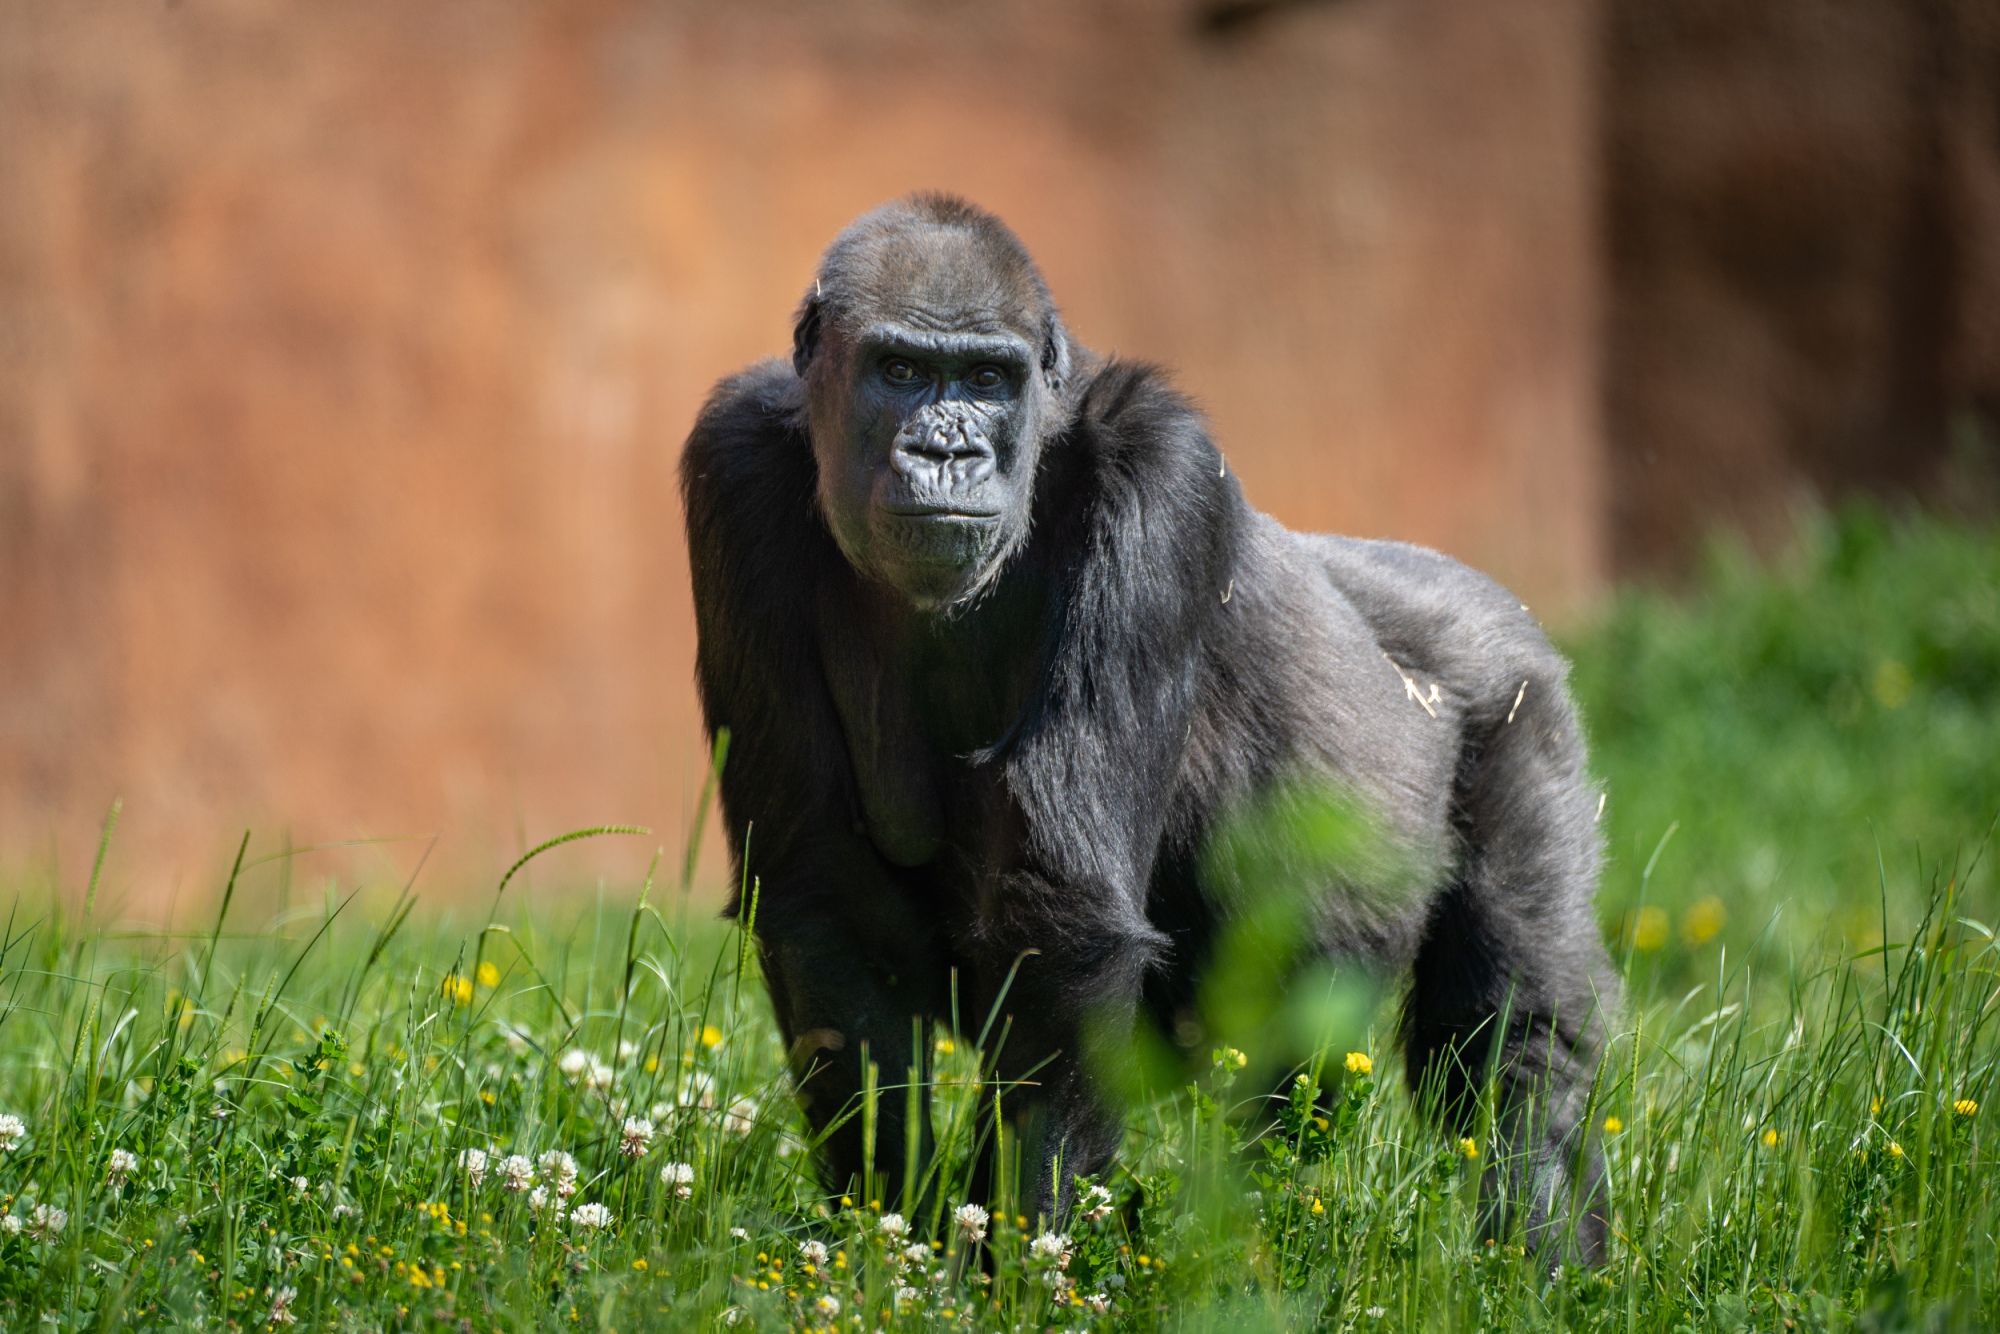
(346, 350)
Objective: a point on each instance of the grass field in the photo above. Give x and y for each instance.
(374, 1116)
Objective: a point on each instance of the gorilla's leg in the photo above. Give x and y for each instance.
(1511, 983)
(833, 1007)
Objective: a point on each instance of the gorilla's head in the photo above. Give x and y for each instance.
(935, 366)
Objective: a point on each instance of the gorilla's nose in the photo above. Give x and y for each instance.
(945, 451)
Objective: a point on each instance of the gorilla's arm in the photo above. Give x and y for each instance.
(1140, 522)
(846, 960)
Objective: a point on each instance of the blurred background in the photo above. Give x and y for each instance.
(346, 352)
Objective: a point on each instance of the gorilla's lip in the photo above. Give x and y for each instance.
(914, 511)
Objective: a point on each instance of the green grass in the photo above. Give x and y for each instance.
(1793, 731)
(1797, 1109)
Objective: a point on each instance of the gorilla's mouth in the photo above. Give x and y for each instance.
(944, 513)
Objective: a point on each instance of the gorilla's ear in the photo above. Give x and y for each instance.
(1055, 354)
(805, 336)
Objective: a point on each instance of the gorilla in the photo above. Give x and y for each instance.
(1000, 645)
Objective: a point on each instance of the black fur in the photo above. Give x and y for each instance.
(1026, 767)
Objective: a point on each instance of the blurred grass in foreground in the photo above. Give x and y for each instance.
(378, 1119)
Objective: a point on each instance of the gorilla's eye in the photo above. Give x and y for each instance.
(897, 371)
(986, 377)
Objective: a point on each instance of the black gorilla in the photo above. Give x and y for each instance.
(999, 642)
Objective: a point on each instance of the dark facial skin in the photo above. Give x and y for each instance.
(927, 441)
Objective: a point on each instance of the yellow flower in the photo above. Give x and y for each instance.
(456, 988)
(652, 1064)
(489, 976)
(1318, 1208)
(1612, 1125)
(1965, 1107)
(1228, 1058)
(710, 1035)
(1893, 685)
(1359, 1064)
(1704, 921)
(1470, 1148)
(639, 1265)
(1770, 1139)
(1649, 929)
(1875, 1107)
(945, 1046)
(1895, 1149)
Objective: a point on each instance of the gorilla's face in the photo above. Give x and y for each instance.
(927, 436)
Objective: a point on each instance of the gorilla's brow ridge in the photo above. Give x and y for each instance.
(989, 337)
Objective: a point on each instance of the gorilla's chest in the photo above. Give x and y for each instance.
(918, 703)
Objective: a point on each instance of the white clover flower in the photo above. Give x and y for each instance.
(590, 1217)
(472, 1162)
(906, 1294)
(894, 1226)
(300, 1185)
(741, 1118)
(538, 1198)
(341, 1211)
(517, 1172)
(1376, 1312)
(660, 1111)
(575, 1062)
(10, 1224)
(813, 1252)
(741, 1234)
(827, 1305)
(1098, 1302)
(517, 1041)
(637, 1136)
(119, 1165)
(1096, 1203)
(598, 1077)
(680, 1176)
(12, 1130)
(560, 1169)
(626, 1049)
(47, 1222)
(916, 1253)
(1050, 1247)
(281, 1307)
(971, 1220)
(698, 1091)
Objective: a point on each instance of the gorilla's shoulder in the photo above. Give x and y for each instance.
(1152, 468)
(748, 449)
(758, 408)
(1132, 417)
(748, 481)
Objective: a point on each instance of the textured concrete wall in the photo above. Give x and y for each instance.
(346, 350)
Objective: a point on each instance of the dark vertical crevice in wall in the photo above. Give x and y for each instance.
(1799, 233)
